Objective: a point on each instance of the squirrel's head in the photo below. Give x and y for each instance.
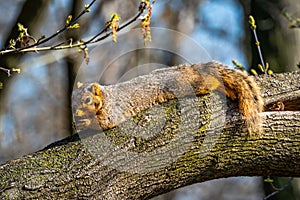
(90, 100)
(86, 103)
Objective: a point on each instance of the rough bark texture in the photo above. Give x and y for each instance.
(171, 145)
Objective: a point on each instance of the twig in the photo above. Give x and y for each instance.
(92, 40)
(253, 27)
(277, 190)
(7, 71)
(42, 41)
(34, 48)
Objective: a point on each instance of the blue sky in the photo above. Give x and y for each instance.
(227, 17)
(222, 16)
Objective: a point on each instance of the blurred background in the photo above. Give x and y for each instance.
(35, 104)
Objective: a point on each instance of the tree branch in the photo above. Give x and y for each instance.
(103, 34)
(168, 146)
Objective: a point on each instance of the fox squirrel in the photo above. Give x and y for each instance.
(96, 105)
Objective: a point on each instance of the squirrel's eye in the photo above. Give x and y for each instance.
(88, 100)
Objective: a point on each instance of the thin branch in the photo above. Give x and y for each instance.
(64, 28)
(42, 41)
(7, 71)
(78, 44)
(257, 43)
(34, 48)
(277, 190)
(92, 40)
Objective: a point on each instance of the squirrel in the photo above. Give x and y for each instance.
(97, 105)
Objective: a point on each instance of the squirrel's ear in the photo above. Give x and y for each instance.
(96, 89)
(79, 84)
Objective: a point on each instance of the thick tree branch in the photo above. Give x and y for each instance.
(178, 143)
(280, 87)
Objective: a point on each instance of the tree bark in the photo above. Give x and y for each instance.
(177, 143)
